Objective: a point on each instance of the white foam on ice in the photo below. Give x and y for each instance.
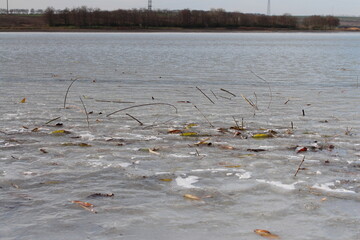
(245, 175)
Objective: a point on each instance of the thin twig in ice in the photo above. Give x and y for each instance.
(67, 91)
(265, 82)
(87, 115)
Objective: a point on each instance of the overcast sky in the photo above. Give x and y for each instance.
(294, 7)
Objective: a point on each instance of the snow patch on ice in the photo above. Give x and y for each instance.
(179, 155)
(279, 184)
(328, 187)
(245, 175)
(87, 136)
(215, 170)
(187, 182)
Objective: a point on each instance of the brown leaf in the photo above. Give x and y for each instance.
(23, 100)
(15, 186)
(43, 150)
(35, 129)
(175, 131)
(203, 142)
(101, 195)
(237, 128)
(255, 150)
(153, 151)
(226, 147)
(85, 205)
(81, 203)
(266, 233)
(192, 197)
(301, 149)
(75, 145)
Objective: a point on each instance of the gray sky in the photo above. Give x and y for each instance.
(294, 7)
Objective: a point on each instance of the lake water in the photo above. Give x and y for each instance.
(299, 91)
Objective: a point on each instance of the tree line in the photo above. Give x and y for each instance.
(84, 17)
(22, 11)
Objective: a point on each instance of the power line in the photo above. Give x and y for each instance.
(268, 8)
(149, 5)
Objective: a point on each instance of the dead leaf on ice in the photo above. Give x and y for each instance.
(165, 179)
(266, 233)
(85, 205)
(192, 197)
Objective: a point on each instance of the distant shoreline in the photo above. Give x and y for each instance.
(171, 30)
(38, 23)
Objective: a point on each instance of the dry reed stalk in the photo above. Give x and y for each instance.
(250, 102)
(54, 119)
(205, 95)
(224, 90)
(142, 105)
(298, 169)
(264, 80)
(68, 89)
(236, 122)
(214, 94)
(135, 119)
(87, 115)
(204, 116)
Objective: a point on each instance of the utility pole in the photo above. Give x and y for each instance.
(7, 7)
(268, 8)
(149, 5)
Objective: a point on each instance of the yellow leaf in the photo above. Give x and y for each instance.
(233, 166)
(188, 134)
(191, 125)
(265, 233)
(60, 132)
(262, 135)
(192, 197)
(23, 100)
(166, 179)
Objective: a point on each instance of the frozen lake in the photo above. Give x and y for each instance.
(254, 104)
